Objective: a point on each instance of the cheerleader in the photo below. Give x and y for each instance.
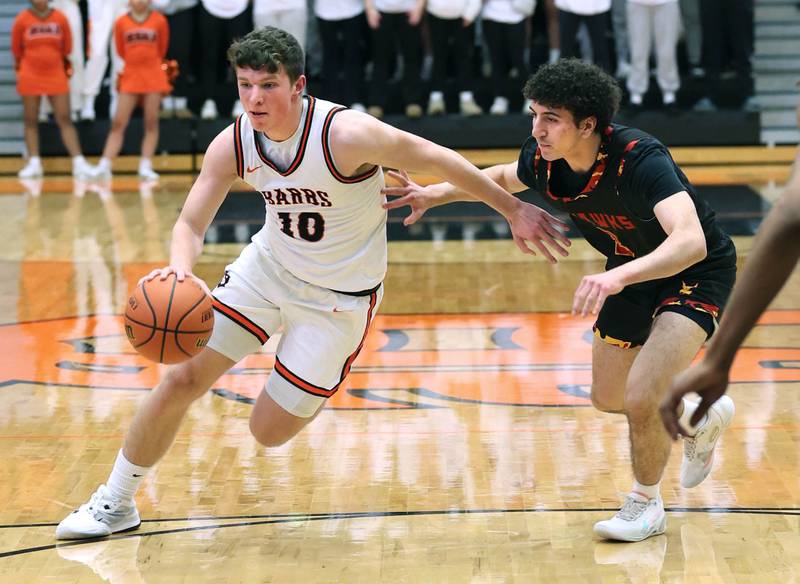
(41, 42)
(141, 37)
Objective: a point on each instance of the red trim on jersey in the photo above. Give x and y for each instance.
(628, 148)
(308, 387)
(237, 146)
(281, 369)
(326, 151)
(373, 300)
(298, 158)
(240, 319)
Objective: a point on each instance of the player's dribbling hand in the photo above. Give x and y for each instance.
(419, 198)
(593, 291)
(180, 274)
(709, 382)
(530, 223)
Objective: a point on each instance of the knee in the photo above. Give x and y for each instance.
(182, 384)
(639, 403)
(606, 399)
(268, 435)
(62, 119)
(118, 125)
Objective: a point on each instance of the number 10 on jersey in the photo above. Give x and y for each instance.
(308, 226)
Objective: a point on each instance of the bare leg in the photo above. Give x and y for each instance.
(30, 116)
(126, 103)
(60, 105)
(610, 368)
(271, 425)
(152, 103)
(157, 421)
(673, 343)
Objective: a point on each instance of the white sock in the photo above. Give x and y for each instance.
(125, 478)
(104, 163)
(689, 408)
(145, 163)
(464, 96)
(35, 160)
(79, 159)
(649, 491)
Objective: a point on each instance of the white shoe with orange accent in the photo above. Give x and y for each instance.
(698, 451)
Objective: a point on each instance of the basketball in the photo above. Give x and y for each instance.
(168, 321)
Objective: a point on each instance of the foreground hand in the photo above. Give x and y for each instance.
(180, 274)
(593, 291)
(708, 382)
(419, 198)
(533, 224)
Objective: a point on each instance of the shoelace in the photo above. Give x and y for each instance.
(97, 505)
(689, 448)
(632, 509)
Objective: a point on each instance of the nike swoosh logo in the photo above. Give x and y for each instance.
(136, 476)
(255, 168)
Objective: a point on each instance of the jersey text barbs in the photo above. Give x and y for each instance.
(296, 196)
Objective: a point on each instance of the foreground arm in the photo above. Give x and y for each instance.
(205, 197)
(684, 246)
(775, 252)
(358, 139)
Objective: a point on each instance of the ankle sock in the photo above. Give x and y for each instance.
(649, 491)
(125, 478)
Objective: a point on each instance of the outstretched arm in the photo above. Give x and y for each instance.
(357, 139)
(775, 253)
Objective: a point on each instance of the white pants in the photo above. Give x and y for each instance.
(102, 16)
(292, 21)
(73, 14)
(323, 330)
(646, 23)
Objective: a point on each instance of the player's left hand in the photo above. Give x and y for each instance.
(593, 291)
(708, 381)
(419, 198)
(533, 224)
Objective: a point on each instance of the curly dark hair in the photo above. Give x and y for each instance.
(268, 48)
(583, 89)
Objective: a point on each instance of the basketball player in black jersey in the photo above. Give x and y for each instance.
(669, 267)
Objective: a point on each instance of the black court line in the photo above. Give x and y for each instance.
(254, 520)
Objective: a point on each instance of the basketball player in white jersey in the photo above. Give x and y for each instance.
(316, 267)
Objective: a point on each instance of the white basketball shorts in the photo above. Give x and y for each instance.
(323, 330)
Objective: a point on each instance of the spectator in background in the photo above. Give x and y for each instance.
(181, 18)
(693, 36)
(141, 37)
(41, 43)
(395, 26)
(288, 15)
(102, 15)
(452, 31)
(659, 20)
(619, 27)
(221, 21)
(595, 13)
(504, 31)
(727, 45)
(343, 32)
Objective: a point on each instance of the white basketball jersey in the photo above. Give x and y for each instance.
(325, 228)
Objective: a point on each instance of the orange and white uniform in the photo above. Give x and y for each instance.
(40, 46)
(142, 46)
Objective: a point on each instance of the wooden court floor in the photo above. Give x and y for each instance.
(462, 449)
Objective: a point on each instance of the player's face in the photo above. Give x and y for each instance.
(554, 130)
(269, 98)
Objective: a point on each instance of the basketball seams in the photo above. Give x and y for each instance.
(185, 314)
(166, 318)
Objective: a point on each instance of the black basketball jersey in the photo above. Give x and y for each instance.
(613, 204)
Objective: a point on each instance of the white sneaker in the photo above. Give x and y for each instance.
(31, 170)
(147, 173)
(101, 516)
(698, 451)
(436, 105)
(468, 106)
(209, 110)
(638, 519)
(499, 106)
(81, 169)
(100, 172)
(238, 109)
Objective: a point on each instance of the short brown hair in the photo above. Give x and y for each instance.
(268, 48)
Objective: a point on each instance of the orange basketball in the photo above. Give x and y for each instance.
(169, 321)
